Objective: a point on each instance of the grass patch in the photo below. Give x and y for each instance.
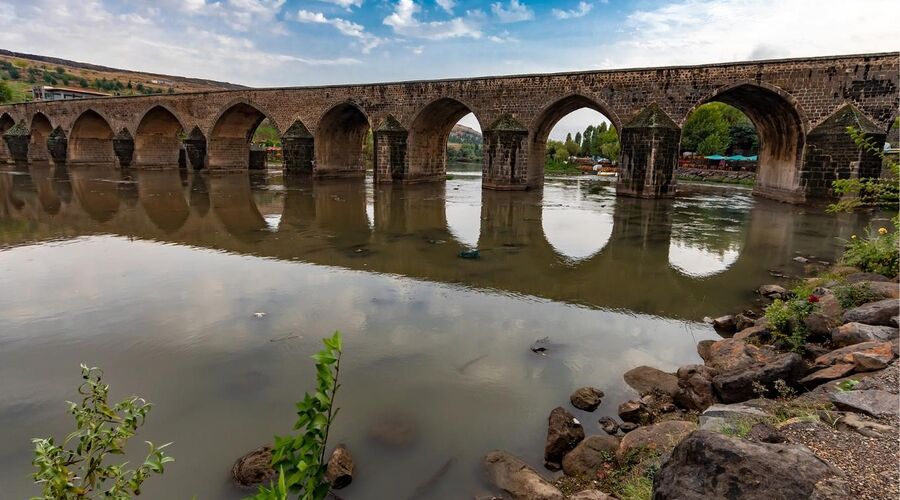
(716, 180)
(850, 295)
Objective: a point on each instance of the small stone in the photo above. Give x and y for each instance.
(874, 402)
(633, 411)
(608, 425)
(586, 398)
(772, 291)
(724, 324)
(516, 478)
(254, 468)
(802, 260)
(756, 333)
(765, 433)
(339, 471)
(591, 495)
(743, 321)
(627, 427)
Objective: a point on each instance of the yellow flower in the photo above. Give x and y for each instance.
(882, 231)
(853, 237)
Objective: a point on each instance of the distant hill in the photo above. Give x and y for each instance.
(461, 134)
(23, 71)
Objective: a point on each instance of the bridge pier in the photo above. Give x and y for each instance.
(58, 146)
(649, 153)
(123, 147)
(505, 165)
(17, 139)
(195, 149)
(298, 149)
(831, 153)
(391, 161)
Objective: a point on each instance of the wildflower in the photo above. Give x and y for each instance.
(812, 299)
(852, 236)
(882, 231)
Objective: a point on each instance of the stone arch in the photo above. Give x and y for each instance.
(157, 138)
(229, 139)
(781, 125)
(339, 138)
(428, 135)
(40, 132)
(6, 122)
(91, 139)
(548, 117)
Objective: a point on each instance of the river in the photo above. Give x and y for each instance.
(158, 276)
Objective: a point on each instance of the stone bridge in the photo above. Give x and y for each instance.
(800, 107)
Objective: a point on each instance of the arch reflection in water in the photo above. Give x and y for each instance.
(578, 226)
(707, 233)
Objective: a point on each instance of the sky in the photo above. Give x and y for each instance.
(266, 43)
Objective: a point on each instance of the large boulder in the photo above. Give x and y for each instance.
(863, 277)
(564, 432)
(832, 372)
(254, 468)
(708, 465)
(734, 354)
(874, 313)
(874, 402)
(865, 356)
(718, 417)
(646, 379)
(661, 437)
(738, 385)
(517, 479)
(589, 455)
(883, 289)
(695, 387)
(339, 471)
(586, 398)
(825, 316)
(856, 333)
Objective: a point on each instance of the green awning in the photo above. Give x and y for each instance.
(714, 157)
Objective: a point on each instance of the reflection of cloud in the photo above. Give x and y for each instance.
(577, 233)
(695, 260)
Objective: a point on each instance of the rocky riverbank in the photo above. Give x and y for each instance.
(786, 405)
(717, 176)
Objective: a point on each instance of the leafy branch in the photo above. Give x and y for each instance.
(300, 459)
(863, 193)
(101, 430)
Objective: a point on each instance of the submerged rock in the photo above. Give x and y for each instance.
(564, 432)
(254, 468)
(709, 465)
(515, 478)
(609, 425)
(644, 379)
(397, 431)
(586, 398)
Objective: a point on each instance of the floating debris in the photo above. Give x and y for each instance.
(259, 314)
(286, 337)
(540, 346)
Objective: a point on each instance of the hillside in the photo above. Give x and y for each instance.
(461, 134)
(23, 71)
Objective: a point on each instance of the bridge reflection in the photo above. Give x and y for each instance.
(692, 258)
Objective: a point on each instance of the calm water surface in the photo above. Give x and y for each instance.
(156, 276)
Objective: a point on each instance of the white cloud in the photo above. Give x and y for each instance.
(690, 31)
(348, 28)
(347, 4)
(447, 5)
(514, 13)
(403, 21)
(417, 49)
(580, 11)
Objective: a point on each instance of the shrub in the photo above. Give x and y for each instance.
(851, 295)
(101, 430)
(300, 459)
(876, 252)
(786, 318)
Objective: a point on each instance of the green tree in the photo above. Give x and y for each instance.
(6, 92)
(578, 139)
(586, 140)
(715, 127)
(102, 430)
(13, 73)
(83, 83)
(572, 147)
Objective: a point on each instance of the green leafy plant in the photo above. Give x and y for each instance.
(300, 459)
(101, 430)
(870, 192)
(847, 385)
(786, 319)
(876, 252)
